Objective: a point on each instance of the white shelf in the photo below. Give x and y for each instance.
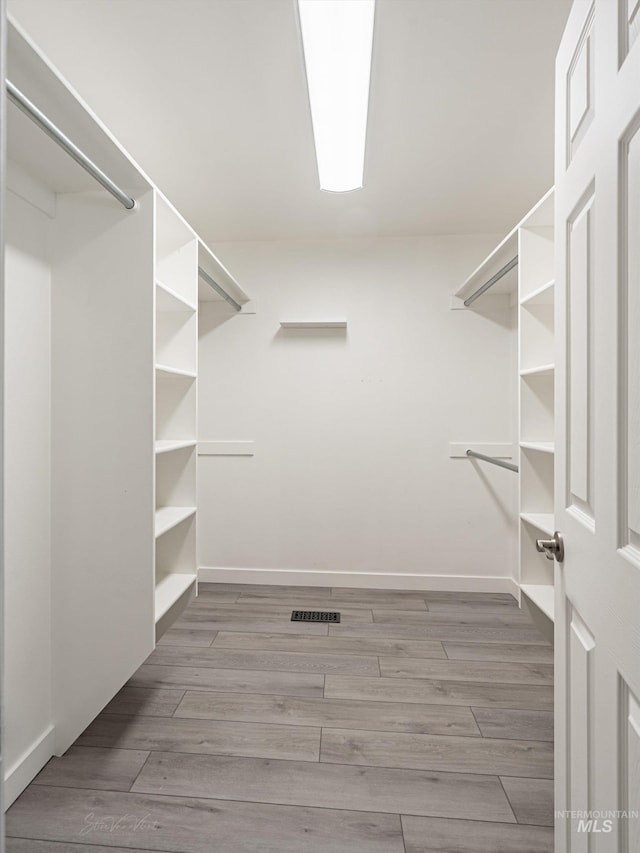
(214, 267)
(168, 590)
(168, 517)
(166, 445)
(543, 521)
(313, 324)
(168, 300)
(542, 595)
(541, 296)
(501, 255)
(540, 446)
(540, 370)
(540, 215)
(174, 372)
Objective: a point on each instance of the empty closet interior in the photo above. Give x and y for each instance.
(305, 411)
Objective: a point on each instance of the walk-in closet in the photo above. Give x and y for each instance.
(320, 519)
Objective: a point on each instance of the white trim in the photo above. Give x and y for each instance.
(28, 765)
(361, 580)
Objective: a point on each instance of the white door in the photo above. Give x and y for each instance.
(598, 428)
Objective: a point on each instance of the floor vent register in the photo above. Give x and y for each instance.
(314, 616)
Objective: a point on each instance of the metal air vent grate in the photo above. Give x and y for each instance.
(314, 616)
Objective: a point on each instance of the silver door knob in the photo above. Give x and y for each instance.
(552, 548)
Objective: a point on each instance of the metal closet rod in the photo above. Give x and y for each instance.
(29, 109)
(508, 465)
(214, 284)
(494, 278)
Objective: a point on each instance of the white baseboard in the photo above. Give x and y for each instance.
(361, 580)
(28, 765)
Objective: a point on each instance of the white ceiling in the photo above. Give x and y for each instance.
(209, 97)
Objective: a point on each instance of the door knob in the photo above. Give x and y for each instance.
(552, 548)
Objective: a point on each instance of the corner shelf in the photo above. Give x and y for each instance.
(168, 590)
(168, 517)
(542, 595)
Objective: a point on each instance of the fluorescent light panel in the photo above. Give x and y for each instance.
(337, 36)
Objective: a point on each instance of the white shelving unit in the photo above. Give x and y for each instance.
(531, 284)
(176, 356)
(100, 299)
(81, 619)
(536, 355)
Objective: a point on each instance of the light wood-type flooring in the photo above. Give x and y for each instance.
(423, 722)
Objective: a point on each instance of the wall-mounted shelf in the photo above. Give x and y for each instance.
(497, 260)
(500, 450)
(216, 270)
(313, 324)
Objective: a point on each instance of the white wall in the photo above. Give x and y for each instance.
(27, 509)
(351, 472)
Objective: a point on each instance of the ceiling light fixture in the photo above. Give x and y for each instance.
(337, 37)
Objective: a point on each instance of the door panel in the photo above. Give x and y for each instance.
(598, 428)
(581, 647)
(579, 335)
(630, 339)
(580, 88)
(629, 749)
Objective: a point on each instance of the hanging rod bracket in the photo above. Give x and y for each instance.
(492, 459)
(53, 131)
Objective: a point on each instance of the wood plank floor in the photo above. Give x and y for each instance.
(422, 723)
